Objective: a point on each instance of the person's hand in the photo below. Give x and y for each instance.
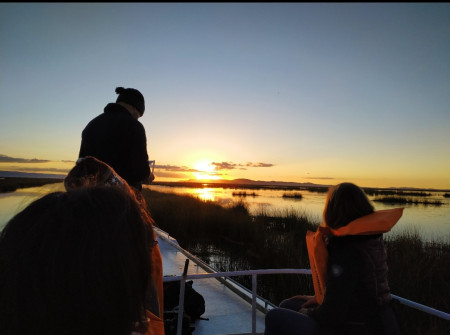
(303, 310)
(149, 179)
(310, 301)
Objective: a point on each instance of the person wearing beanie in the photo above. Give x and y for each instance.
(117, 138)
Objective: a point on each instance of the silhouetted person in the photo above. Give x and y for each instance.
(76, 262)
(349, 269)
(117, 138)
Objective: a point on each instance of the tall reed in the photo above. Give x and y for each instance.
(231, 239)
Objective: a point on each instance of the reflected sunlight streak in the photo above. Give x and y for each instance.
(205, 194)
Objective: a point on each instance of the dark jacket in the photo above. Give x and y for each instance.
(119, 140)
(357, 298)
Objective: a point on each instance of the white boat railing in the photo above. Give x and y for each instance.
(254, 296)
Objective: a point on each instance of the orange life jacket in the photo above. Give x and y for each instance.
(378, 222)
(156, 324)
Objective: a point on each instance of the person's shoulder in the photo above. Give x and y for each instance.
(94, 121)
(138, 125)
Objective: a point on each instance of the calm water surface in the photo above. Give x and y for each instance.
(431, 222)
(13, 202)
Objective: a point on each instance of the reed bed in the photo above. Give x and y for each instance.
(244, 194)
(294, 195)
(408, 201)
(317, 189)
(228, 238)
(371, 191)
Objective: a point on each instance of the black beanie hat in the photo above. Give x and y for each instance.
(132, 97)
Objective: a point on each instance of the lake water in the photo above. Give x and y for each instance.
(430, 221)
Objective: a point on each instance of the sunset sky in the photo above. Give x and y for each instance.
(302, 92)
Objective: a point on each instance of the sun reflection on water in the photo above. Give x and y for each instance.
(205, 194)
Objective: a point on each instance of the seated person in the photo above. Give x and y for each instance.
(348, 261)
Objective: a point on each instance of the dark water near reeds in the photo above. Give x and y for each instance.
(431, 221)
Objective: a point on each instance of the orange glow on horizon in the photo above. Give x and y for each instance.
(205, 170)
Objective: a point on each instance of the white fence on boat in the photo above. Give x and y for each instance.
(258, 301)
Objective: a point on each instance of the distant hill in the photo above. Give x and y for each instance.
(243, 181)
(247, 183)
(15, 174)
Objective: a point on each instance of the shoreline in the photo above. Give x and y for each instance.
(10, 184)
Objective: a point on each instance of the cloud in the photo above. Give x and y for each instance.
(7, 159)
(175, 168)
(260, 164)
(37, 170)
(232, 166)
(169, 174)
(224, 166)
(173, 171)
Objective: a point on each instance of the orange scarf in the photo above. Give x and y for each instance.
(378, 222)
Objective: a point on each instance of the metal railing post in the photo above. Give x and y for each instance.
(254, 286)
(181, 298)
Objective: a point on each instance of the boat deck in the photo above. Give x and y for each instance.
(226, 311)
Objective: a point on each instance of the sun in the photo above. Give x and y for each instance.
(204, 170)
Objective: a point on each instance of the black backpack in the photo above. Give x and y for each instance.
(194, 307)
(194, 303)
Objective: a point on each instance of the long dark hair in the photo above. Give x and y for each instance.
(345, 202)
(75, 262)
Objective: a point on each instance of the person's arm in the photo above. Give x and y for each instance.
(310, 300)
(141, 169)
(342, 278)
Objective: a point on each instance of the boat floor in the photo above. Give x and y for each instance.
(226, 311)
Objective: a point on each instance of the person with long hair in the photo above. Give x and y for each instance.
(76, 262)
(90, 172)
(349, 271)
